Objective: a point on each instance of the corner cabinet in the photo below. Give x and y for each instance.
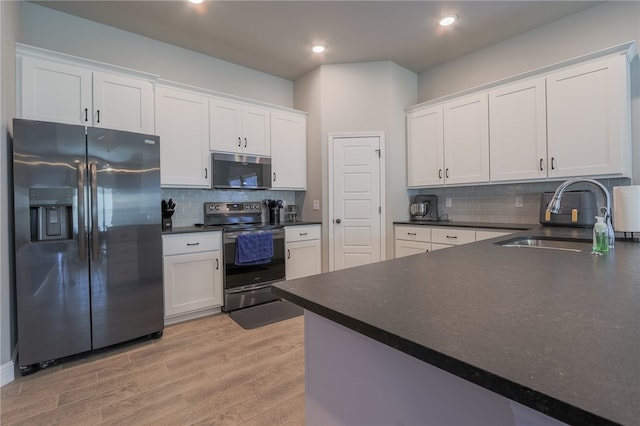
(288, 151)
(303, 247)
(239, 128)
(183, 127)
(70, 93)
(192, 268)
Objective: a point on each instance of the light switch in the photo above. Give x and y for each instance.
(447, 202)
(316, 204)
(519, 201)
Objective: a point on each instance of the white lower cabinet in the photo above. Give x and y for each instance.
(414, 239)
(304, 256)
(192, 267)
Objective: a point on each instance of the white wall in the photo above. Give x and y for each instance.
(61, 32)
(9, 29)
(362, 97)
(605, 25)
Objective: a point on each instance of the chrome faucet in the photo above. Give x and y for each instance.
(605, 211)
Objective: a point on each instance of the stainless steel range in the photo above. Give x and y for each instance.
(247, 283)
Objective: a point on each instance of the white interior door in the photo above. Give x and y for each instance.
(356, 213)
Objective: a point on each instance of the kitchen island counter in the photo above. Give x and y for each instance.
(556, 331)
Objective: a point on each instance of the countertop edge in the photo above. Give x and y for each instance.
(536, 400)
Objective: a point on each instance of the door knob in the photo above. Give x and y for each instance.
(338, 220)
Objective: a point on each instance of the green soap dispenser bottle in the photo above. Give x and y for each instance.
(600, 237)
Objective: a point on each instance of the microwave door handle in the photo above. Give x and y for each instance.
(94, 211)
(82, 232)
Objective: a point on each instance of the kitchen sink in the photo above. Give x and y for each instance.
(550, 243)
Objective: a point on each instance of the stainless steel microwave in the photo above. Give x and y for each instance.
(237, 171)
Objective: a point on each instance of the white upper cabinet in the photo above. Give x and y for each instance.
(122, 103)
(425, 156)
(588, 119)
(74, 94)
(183, 127)
(57, 92)
(518, 131)
(239, 128)
(288, 151)
(466, 140)
(449, 143)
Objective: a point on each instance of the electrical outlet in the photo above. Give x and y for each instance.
(519, 201)
(447, 202)
(316, 204)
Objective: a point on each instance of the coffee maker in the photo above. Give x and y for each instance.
(424, 207)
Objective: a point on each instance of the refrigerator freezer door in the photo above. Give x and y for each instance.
(52, 278)
(125, 235)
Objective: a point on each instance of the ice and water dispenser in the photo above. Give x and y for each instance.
(50, 211)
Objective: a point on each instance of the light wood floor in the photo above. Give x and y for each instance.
(205, 371)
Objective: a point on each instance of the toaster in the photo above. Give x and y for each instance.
(577, 209)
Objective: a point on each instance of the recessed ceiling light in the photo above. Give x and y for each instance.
(447, 20)
(196, 1)
(318, 48)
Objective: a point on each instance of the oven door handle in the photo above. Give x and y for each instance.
(249, 287)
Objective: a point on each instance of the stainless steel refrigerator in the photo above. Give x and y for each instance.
(88, 243)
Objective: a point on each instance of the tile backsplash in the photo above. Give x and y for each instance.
(497, 203)
(189, 202)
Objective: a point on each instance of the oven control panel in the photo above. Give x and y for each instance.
(251, 207)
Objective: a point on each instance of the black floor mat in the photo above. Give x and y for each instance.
(268, 313)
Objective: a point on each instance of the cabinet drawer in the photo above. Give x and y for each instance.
(452, 236)
(301, 233)
(191, 242)
(413, 233)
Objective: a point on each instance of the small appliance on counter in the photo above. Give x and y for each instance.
(291, 213)
(424, 207)
(626, 209)
(577, 209)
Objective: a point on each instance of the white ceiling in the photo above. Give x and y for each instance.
(275, 36)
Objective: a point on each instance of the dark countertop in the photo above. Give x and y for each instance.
(193, 228)
(557, 331)
(488, 225)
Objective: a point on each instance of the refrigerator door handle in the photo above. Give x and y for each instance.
(82, 232)
(95, 255)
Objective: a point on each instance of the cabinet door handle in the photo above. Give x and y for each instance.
(206, 173)
(239, 141)
(411, 233)
(453, 237)
(541, 168)
(553, 163)
(302, 234)
(98, 112)
(193, 244)
(274, 176)
(446, 173)
(440, 174)
(245, 142)
(288, 254)
(86, 114)
(217, 264)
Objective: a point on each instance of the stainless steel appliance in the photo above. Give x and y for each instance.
(578, 208)
(424, 207)
(237, 171)
(246, 285)
(88, 243)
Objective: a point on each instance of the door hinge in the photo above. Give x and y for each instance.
(378, 151)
